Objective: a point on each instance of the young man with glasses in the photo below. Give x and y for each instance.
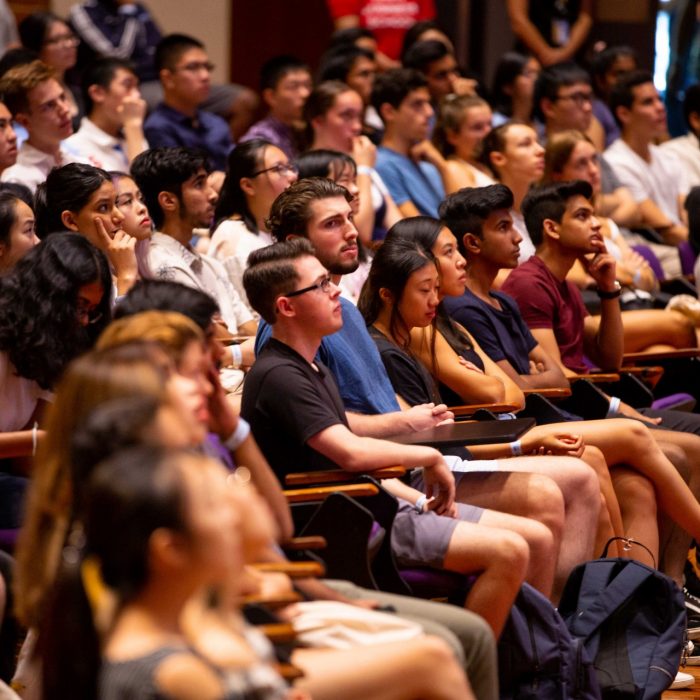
(176, 189)
(185, 74)
(39, 104)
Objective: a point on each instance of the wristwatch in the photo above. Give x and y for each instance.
(610, 295)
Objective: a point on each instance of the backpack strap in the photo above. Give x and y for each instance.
(610, 595)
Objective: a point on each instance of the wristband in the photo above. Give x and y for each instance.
(364, 170)
(420, 503)
(34, 438)
(610, 295)
(637, 277)
(236, 356)
(516, 448)
(239, 435)
(614, 406)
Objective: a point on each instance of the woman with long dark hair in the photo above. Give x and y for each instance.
(17, 230)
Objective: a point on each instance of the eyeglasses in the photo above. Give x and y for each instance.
(324, 285)
(580, 98)
(92, 315)
(197, 66)
(279, 169)
(67, 39)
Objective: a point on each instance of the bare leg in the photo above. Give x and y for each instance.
(421, 669)
(638, 504)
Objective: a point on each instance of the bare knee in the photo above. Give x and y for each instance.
(548, 506)
(512, 555)
(681, 330)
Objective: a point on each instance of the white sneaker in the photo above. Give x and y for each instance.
(682, 680)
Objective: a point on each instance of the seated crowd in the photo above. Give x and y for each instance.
(194, 306)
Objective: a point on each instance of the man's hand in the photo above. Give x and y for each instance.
(627, 410)
(425, 150)
(428, 415)
(464, 86)
(132, 110)
(601, 267)
(364, 152)
(540, 440)
(440, 484)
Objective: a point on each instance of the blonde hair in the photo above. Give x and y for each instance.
(451, 117)
(134, 370)
(559, 148)
(18, 81)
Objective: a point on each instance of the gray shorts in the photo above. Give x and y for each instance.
(421, 539)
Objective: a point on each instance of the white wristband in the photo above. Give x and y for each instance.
(236, 356)
(364, 170)
(420, 503)
(516, 448)
(239, 435)
(614, 406)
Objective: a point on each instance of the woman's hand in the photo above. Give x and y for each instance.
(541, 440)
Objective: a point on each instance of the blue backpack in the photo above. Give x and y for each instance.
(631, 619)
(537, 656)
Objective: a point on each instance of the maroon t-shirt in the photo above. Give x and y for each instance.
(545, 302)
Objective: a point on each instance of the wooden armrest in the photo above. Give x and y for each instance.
(602, 378)
(334, 476)
(278, 633)
(289, 672)
(322, 492)
(308, 542)
(553, 393)
(293, 569)
(277, 602)
(632, 357)
(493, 407)
(19, 443)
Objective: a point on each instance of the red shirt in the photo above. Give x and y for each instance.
(387, 19)
(545, 302)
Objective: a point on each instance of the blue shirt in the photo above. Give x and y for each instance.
(166, 126)
(353, 358)
(502, 335)
(411, 181)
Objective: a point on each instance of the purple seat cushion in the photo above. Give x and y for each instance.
(648, 254)
(674, 401)
(8, 539)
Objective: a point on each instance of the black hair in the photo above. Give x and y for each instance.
(243, 161)
(423, 53)
(277, 68)
(20, 191)
(171, 47)
(349, 36)
(414, 32)
(17, 57)
(691, 102)
(34, 28)
(128, 497)
(291, 211)
(622, 94)
(549, 202)
(161, 295)
(395, 261)
(165, 169)
(394, 86)
(466, 210)
(271, 273)
(324, 162)
(101, 72)
(511, 65)
(67, 188)
(602, 61)
(39, 325)
(337, 63)
(8, 214)
(554, 77)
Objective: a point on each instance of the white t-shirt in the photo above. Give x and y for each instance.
(18, 397)
(662, 180)
(231, 244)
(687, 150)
(527, 247)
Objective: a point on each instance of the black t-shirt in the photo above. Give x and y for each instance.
(287, 401)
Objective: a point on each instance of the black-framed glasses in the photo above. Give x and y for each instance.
(279, 169)
(324, 285)
(197, 66)
(579, 98)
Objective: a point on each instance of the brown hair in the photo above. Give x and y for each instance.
(18, 81)
(451, 117)
(559, 148)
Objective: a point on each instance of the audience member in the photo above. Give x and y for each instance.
(8, 140)
(686, 149)
(285, 83)
(37, 102)
(607, 66)
(424, 30)
(257, 172)
(17, 231)
(550, 30)
(111, 134)
(82, 198)
(334, 116)
(463, 123)
(9, 37)
(184, 70)
(439, 66)
(175, 186)
(130, 202)
(513, 88)
(652, 174)
(55, 44)
(413, 170)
